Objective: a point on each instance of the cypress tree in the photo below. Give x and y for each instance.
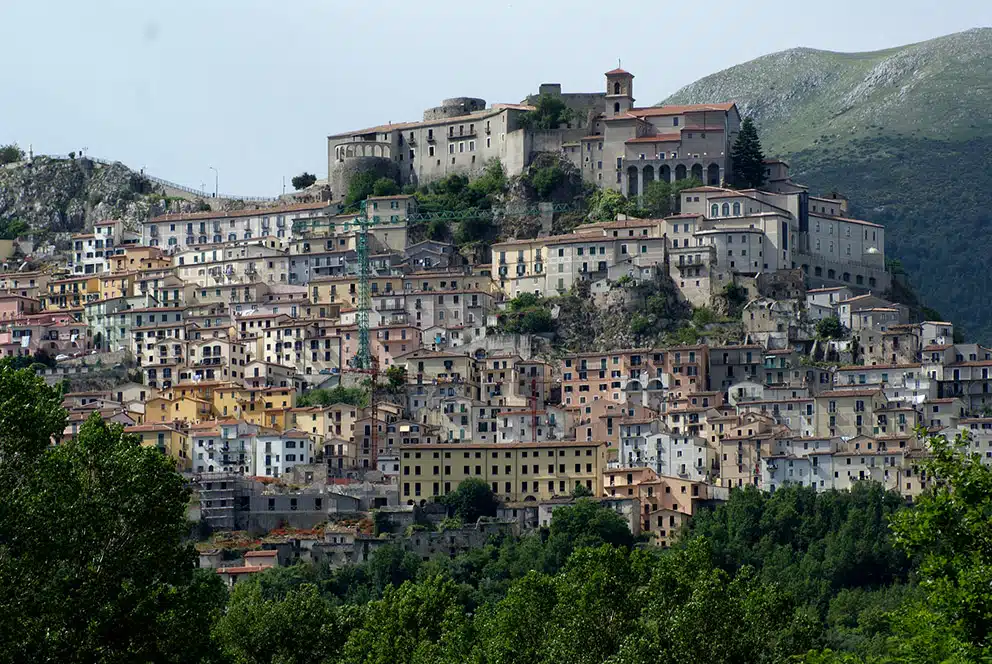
(747, 158)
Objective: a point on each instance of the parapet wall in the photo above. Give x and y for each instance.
(454, 107)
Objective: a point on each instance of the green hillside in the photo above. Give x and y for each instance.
(905, 133)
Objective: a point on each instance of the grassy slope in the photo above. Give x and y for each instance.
(905, 133)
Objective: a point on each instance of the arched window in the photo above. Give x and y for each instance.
(616, 107)
(714, 210)
(737, 208)
(616, 88)
(231, 237)
(172, 241)
(726, 209)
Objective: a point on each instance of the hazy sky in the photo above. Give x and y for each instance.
(253, 87)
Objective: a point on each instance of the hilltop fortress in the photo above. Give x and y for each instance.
(615, 144)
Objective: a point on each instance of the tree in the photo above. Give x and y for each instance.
(11, 229)
(950, 528)
(301, 627)
(657, 199)
(735, 296)
(545, 180)
(414, 623)
(811, 544)
(355, 396)
(829, 328)
(94, 560)
(606, 204)
(584, 524)
(581, 491)
(385, 187)
(360, 186)
(550, 112)
(747, 159)
(10, 153)
(471, 500)
(516, 628)
(526, 314)
(390, 566)
(303, 180)
(492, 182)
(396, 375)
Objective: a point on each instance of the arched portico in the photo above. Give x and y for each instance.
(713, 175)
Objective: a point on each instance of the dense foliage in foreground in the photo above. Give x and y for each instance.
(95, 566)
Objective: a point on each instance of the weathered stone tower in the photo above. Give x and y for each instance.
(619, 92)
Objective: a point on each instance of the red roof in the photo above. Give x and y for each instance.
(680, 110)
(660, 138)
(618, 71)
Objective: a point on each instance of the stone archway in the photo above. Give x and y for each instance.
(713, 175)
(632, 182)
(648, 175)
(680, 172)
(665, 173)
(697, 172)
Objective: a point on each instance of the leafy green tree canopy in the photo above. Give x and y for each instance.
(471, 500)
(550, 112)
(950, 526)
(355, 396)
(303, 180)
(830, 328)
(94, 562)
(385, 187)
(10, 153)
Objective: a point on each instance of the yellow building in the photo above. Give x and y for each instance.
(265, 406)
(849, 413)
(515, 471)
(139, 258)
(442, 280)
(230, 400)
(343, 290)
(192, 409)
(519, 265)
(334, 421)
(168, 440)
(71, 292)
(116, 285)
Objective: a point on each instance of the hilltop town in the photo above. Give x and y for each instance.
(320, 363)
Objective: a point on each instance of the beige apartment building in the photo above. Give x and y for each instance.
(515, 471)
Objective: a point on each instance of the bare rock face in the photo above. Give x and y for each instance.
(61, 196)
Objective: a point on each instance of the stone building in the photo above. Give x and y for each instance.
(613, 143)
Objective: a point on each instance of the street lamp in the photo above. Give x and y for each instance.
(216, 180)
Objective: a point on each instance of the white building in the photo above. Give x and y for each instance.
(223, 446)
(276, 454)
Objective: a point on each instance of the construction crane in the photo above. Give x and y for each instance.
(373, 373)
(363, 356)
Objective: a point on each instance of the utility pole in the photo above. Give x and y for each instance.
(216, 180)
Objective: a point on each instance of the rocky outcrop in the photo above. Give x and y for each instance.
(61, 196)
